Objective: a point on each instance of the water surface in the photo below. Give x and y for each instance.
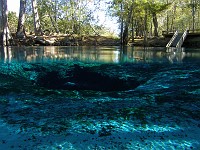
(97, 54)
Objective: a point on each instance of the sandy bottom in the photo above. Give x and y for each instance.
(124, 137)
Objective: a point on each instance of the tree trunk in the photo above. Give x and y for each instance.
(53, 17)
(37, 26)
(122, 24)
(145, 28)
(20, 28)
(6, 37)
(167, 19)
(193, 15)
(127, 23)
(155, 23)
(173, 17)
(54, 24)
(133, 30)
(1, 16)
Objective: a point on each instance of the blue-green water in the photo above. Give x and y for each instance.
(99, 98)
(97, 54)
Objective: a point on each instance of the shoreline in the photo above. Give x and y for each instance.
(75, 40)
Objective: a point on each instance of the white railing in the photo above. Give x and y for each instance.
(182, 39)
(172, 39)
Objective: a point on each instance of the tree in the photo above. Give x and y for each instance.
(6, 37)
(127, 23)
(47, 9)
(37, 25)
(155, 8)
(193, 4)
(77, 17)
(124, 11)
(12, 21)
(20, 28)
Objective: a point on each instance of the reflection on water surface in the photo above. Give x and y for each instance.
(96, 54)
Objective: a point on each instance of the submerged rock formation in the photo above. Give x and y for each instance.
(84, 78)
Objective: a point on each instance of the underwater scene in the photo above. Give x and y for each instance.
(99, 98)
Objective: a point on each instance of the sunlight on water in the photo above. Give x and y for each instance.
(94, 54)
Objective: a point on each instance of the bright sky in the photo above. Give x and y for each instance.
(13, 5)
(106, 20)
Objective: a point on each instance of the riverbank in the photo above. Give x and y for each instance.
(84, 40)
(151, 42)
(67, 40)
(191, 42)
(74, 40)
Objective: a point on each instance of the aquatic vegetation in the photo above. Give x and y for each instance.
(102, 101)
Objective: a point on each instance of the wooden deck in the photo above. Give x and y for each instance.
(190, 34)
(192, 39)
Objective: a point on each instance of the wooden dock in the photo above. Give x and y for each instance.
(185, 39)
(190, 34)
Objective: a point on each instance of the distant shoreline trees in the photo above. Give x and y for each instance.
(151, 17)
(41, 17)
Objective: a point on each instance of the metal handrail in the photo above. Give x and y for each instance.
(172, 39)
(182, 39)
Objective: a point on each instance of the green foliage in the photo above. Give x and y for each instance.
(169, 14)
(12, 21)
(68, 17)
(29, 23)
(78, 16)
(71, 17)
(157, 7)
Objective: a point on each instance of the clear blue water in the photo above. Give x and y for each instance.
(97, 54)
(99, 98)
